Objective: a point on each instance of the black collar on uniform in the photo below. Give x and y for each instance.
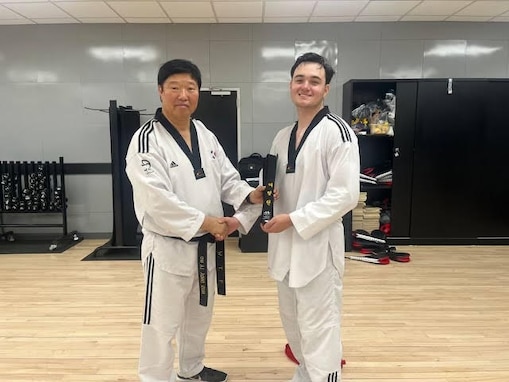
(194, 155)
(292, 152)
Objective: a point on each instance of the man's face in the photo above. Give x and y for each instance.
(179, 96)
(307, 87)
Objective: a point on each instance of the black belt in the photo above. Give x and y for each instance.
(202, 266)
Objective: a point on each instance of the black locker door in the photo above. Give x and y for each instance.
(494, 171)
(218, 111)
(402, 163)
(446, 174)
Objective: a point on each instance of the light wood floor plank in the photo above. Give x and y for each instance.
(443, 317)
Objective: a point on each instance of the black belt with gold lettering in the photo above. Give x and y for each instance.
(202, 266)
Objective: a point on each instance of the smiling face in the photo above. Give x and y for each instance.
(307, 87)
(179, 96)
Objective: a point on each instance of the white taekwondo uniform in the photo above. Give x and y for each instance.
(171, 203)
(307, 260)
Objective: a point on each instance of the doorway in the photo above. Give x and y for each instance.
(217, 109)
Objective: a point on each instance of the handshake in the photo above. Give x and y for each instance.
(221, 227)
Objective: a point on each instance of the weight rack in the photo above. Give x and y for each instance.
(32, 188)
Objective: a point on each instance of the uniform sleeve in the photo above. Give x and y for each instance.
(157, 207)
(342, 189)
(233, 189)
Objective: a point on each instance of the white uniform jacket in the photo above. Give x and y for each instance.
(170, 202)
(323, 188)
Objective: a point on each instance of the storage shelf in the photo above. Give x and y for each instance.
(20, 225)
(45, 181)
(370, 187)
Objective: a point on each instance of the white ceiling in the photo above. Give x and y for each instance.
(248, 11)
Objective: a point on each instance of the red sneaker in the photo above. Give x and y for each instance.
(289, 354)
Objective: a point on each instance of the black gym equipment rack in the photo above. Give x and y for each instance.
(32, 188)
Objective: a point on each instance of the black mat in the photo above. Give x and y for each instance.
(38, 245)
(112, 252)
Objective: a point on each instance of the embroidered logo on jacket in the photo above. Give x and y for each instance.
(173, 164)
(147, 167)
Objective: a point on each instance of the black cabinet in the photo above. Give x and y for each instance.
(447, 155)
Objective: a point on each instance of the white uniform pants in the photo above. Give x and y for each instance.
(311, 318)
(173, 310)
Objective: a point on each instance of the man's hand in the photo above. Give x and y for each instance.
(232, 223)
(256, 196)
(277, 224)
(215, 226)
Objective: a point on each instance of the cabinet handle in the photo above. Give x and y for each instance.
(396, 152)
(449, 86)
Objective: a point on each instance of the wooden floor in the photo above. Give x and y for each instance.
(443, 317)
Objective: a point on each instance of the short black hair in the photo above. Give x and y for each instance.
(314, 57)
(178, 66)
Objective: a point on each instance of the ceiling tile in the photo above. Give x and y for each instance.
(388, 8)
(239, 20)
(485, 8)
(377, 18)
(148, 20)
(38, 10)
(7, 14)
(285, 19)
(238, 9)
(430, 8)
(21, 21)
(288, 9)
(59, 20)
(193, 9)
(87, 9)
(250, 11)
(331, 19)
(21, 1)
(469, 18)
(101, 20)
(192, 20)
(339, 8)
(423, 18)
(137, 9)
